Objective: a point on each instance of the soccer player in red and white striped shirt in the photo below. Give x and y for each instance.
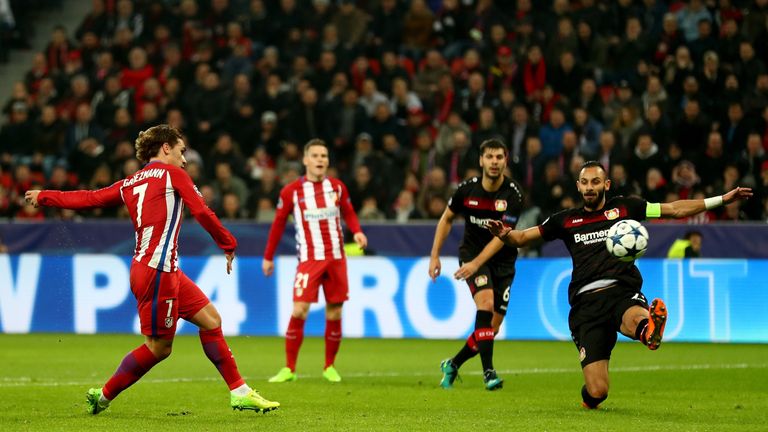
(317, 203)
(155, 197)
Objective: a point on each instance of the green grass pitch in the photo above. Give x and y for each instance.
(389, 385)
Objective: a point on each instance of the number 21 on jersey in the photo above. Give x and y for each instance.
(301, 283)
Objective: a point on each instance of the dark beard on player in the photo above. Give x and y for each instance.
(597, 199)
(492, 177)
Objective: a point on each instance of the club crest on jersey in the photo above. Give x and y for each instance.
(582, 354)
(500, 205)
(611, 214)
(168, 322)
(481, 280)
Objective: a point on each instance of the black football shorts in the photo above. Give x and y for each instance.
(595, 319)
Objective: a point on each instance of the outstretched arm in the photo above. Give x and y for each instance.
(511, 237)
(441, 233)
(76, 200)
(685, 208)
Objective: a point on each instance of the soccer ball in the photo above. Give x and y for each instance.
(627, 240)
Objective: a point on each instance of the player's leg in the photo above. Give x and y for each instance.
(155, 293)
(483, 297)
(195, 307)
(332, 340)
(305, 291)
(596, 382)
(594, 334)
(294, 337)
(642, 322)
(133, 366)
(484, 335)
(336, 290)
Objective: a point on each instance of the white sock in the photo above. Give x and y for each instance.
(242, 390)
(102, 400)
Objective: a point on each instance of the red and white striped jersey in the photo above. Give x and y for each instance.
(155, 197)
(317, 209)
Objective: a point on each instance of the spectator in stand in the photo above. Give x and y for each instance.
(685, 179)
(551, 134)
(712, 162)
(225, 150)
(689, 16)
(588, 132)
(654, 188)
(225, 181)
(386, 27)
(451, 28)
(590, 100)
(751, 159)
(610, 153)
(592, 48)
(458, 160)
(425, 82)
(390, 69)
(534, 74)
(17, 136)
(308, 119)
(403, 100)
(621, 184)
(126, 17)
(138, 71)
(473, 98)
(691, 130)
(654, 94)
(756, 100)
(735, 129)
(404, 208)
(644, 157)
(521, 127)
(230, 207)
(209, 111)
(371, 97)
(748, 67)
(417, 30)
(626, 124)
(435, 185)
(567, 76)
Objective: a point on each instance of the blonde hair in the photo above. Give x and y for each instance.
(149, 141)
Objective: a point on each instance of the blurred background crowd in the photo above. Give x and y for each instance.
(671, 96)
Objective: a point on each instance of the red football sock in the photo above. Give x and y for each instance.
(218, 352)
(134, 366)
(332, 340)
(293, 339)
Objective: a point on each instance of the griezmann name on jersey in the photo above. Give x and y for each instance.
(155, 197)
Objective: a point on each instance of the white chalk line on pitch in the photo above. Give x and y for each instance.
(30, 382)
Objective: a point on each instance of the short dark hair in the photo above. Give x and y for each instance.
(493, 143)
(314, 142)
(593, 164)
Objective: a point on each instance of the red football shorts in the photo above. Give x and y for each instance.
(163, 298)
(331, 274)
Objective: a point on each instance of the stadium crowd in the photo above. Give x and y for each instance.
(671, 96)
